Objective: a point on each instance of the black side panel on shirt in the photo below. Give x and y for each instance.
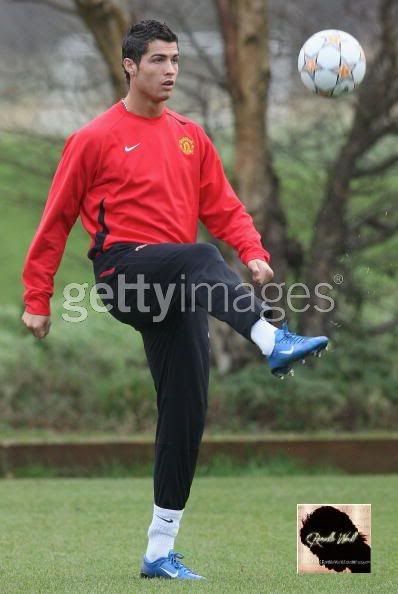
(100, 236)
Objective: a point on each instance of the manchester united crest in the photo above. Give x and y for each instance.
(187, 145)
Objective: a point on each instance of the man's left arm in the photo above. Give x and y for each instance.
(226, 217)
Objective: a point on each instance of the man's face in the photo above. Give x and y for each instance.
(157, 72)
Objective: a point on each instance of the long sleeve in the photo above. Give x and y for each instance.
(223, 213)
(74, 173)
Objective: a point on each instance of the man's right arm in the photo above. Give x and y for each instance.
(73, 176)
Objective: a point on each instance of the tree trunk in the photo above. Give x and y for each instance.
(244, 28)
(108, 23)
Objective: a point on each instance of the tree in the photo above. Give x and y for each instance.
(107, 21)
(244, 26)
(375, 118)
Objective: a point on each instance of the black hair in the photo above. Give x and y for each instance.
(136, 41)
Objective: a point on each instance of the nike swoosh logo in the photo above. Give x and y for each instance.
(164, 519)
(172, 575)
(131, 148)
(289, 352)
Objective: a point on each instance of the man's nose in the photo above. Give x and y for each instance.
(171, 67)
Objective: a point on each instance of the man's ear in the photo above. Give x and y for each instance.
(130, 66)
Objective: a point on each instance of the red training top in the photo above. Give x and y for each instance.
(135, 179)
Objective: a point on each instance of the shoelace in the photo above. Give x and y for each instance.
(290, 336)
(174, 560)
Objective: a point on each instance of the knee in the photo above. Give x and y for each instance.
(207, 251)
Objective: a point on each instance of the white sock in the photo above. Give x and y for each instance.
(162, 532)
(263, 335)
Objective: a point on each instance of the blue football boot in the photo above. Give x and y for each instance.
(169, 567)
(290, 347)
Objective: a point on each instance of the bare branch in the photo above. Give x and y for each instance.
(216, 75)
(382, 232)
(386, 129)
(376, 169)
(228, 27)
(52, 4)
(202, 78)
(388, 17)
(389, 326)
(190, 91)
(384, 203)
(107, 21)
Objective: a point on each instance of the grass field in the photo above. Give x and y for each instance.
(87, 536)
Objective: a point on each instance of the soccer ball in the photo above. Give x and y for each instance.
(331, 63)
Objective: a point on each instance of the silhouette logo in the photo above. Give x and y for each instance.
(334, 538)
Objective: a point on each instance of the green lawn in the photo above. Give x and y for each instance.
(87, 536)
(9, 435)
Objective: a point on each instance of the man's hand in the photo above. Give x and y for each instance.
(262, 273)
(38, 325)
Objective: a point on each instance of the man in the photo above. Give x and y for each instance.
(141, 176)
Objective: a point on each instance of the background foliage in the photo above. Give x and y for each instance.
(93, 375)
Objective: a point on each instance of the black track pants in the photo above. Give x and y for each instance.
(176, 339)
